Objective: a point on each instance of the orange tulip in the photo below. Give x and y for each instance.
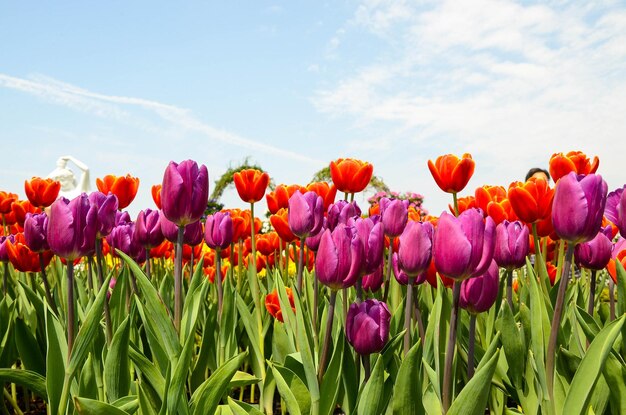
(6, 200)
(467, 202)
(251, 184)
(501, 211)
(272, 303)
(324, 190)
(209, 271)
(279, 198)
(267, 243)
(531, 201)
(281, 226)
(575, 161)
(486, 194)
(451, 173)
(124, 187)
(432, 274)
(22, 258)
(20, 208)
(156, 195)
(351, 175)
(42, 192)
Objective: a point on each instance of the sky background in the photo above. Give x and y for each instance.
(125, 87)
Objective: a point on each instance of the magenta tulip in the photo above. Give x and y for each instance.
(72, 227)
(479, 293)
(373, 281)
(415, 248)
(148, 228)
(512, 244)
(185, 192)
(340, 212)
(107, 213)
(367, 326)
(192, 235)
(36, 232)
(339, 258)
(395, 214)
(370, 232)
(305, 214)
(596, 253)
(218, 230)
(615, 209)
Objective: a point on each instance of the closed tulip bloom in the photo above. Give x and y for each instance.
(306, 213)
(251, 184)
(6, 200)
(42, 192)
(463, 247)
(486, 194)
(615, 209)
(479, 293)
(122, 238)
(415, 250)
(373, 281)
(350, 175)
(531, 201)
(339, 258)
(218, 230)
(401, 276)
(124, 187)
(326, 191)
(272, 303)
(394, 214)
(452, 173)
(574, 161)
(36, 232)
(367, 326)
(279, 198)
(512, 244)
(267, 243)
(156, 195)
(618, 255)
(578, 207)
(148, 228)
(340, 212)
(192, 235)
(72, 227)
(596, 253)
(185, 192)
(106, 212)
(280, 223)
(370, 231)
(21, 208)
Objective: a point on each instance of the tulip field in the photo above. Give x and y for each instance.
(512, 302)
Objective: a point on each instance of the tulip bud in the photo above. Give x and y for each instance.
(185, 192)
(511, 246)
(148, 228)
(71, 227)
(367, 326)
(596, 253)
(218, 232)
(36, 232)
(339, 258)
(305, 214)
(395, 214)
(479, 293)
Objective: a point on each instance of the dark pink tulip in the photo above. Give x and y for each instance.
(192, 234)
(596, 253)
(305, 214)
(373, 281)
(415, 248)
(395, 214)
(578, 206)
(121, 237)
(313, 242)
(107, 213)
(185, 192)
(479, 293)
(370, 231)
(36, 232)
(148, 228)
(463, 247)
(72, 227)
(339, 258)
(218, 230)
(615, 209)
(401, 276)
(512, 244)
(340, 212)
(122, 218)
(367, 326)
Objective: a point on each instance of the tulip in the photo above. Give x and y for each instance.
(21, 208)
(272, 303)
(71, 227)
(531, 201)
(370, 232)
(615, 209)
(340, 212)
(279, 198)
(487, 194)
(156, 195)
(451, 173)
(373, 281)
(313, 242)
(4, 257)
(574, 161)
(463, 204)
(267, 243)
(121, 237)
(218, 231)
(395, 214)
(6, 200)
(42, 192)
(185, 192)
(594, 255)
(367, 326)
(280, 222)
(511, 249)
(148, 228)
(251, 184)
(350, 175)
(107, 215)
(192, 233)
(124, 187)
(305, 214)
(22, 257)
(325, 191)
(35, 232)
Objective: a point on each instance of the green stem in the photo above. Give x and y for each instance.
(46, 285)
(12, 401)
(407, 316)
(447, 371)
(389, 266)
(148, 270)
(5, 278)
(472, 343)
(178, 279)
(509, 287)
(327, 336)
(367, 368)
(611, 299)
(89, 275)
(592, 292)
(218, 282)
(300, 266)
(455, 203)
(70, 307)
(100, 274)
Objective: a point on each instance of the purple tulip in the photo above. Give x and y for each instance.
(615, 209)
(107, 213)
(395, 214)
(218, 230)
(339, 258)
(415, 248)
(148, 228)
(512, 244)
(479, 293)
(122, 217)
(367, 326)
(185, 192)
(72, 227)
(121, 237)
(340, 212)
(373, 281)
(192, 234)
(463, 247)
(305, 214)
(596, 253)
(401, 276)
(578, 207)
(4, 255)
(313, 242)
(370, 231)
(36, 232)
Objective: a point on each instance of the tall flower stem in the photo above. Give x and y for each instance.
(5, 282)
(509, 287)
(447, 371)
(300, 266)
(592, 292)
(100, 273)
(472, 344)
(455, 203)
(89, 274)
(389, 266)
(366, 367)
(46, 285)
(70, 307)
(556, 319)
(252, 240)
(178, 279)
(611, 300)
(420, 323)
(538, 257)
(148, 270)
(408, 307)
(256, 294)
(327, 336)
(218, 282)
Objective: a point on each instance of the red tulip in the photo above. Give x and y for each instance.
(124, 187)
(451, 173)
(42, 192)
(251, 184)
(350, 175)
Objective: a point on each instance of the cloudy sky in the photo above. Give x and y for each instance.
(126, 87)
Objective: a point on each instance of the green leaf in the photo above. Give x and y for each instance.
(241, 379)
(27, 348)
(31, 380)
(473, 398)
(292, 390)
(242, 408)
(304, 344)
(149, 372)
(615, 374)
(590, 367)
(92, 407)
(537, 315)
(513, 345)
(331, 382)
(371, 400)
(407, 393)
(55, 361)
(179, 376)
(116, 368)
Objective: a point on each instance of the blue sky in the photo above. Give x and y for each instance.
(128, 86)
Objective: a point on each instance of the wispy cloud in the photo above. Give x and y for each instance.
(120, 108)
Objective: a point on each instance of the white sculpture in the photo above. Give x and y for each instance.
(70, 188)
